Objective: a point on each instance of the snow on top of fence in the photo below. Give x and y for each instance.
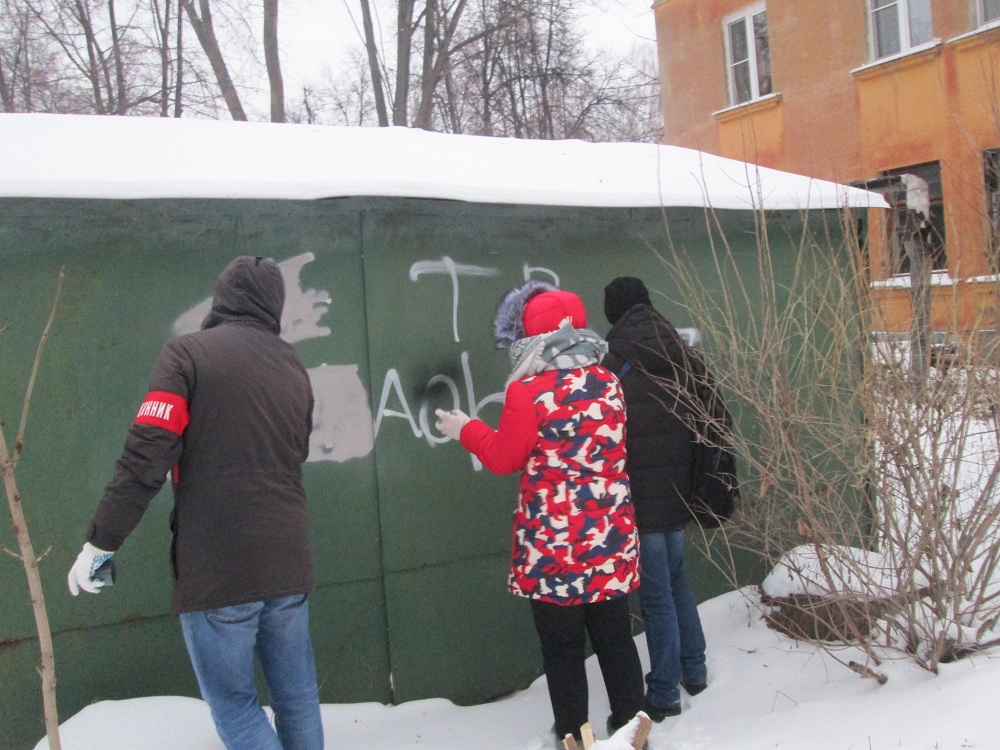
(81, 156)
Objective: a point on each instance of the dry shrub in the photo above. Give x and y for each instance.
(869, 490)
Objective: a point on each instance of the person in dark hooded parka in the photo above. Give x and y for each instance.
(657, 371)
(228, 416)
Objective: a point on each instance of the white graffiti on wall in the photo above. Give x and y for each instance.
(420, 425)
(530, 271)
(343, 426)
(342, 420)
(303, 307)
(447, 266)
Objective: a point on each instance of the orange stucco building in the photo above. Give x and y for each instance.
(852, 91)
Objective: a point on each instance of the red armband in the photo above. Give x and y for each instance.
(166, 410)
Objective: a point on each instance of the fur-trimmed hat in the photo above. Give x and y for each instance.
(508, 324)
(622, 294)
(546, 312)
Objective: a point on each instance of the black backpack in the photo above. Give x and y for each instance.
(715, 491)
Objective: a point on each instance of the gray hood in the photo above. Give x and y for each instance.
(249, 291)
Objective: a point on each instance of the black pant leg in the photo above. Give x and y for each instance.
(563, 638)
(610, 629)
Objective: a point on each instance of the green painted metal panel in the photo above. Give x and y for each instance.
(394, 301)
(348, 625)
(455, 632)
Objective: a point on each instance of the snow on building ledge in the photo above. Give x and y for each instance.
(89, 156)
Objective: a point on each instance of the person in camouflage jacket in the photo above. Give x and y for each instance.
(574, 551)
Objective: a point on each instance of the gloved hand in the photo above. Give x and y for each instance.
(450, 423)
(87, 563)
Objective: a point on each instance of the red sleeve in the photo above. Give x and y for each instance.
(506, 449)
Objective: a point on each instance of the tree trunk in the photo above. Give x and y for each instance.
(272, 61)
(179, 82)
(920, 300)
(373, 65)
(121, 97)
(163, 32)
(30, 561)
(6, 95)
(205, 32)
(404, 36)
(422, 119)
(93, 69)
(436, 65)
(8, 463)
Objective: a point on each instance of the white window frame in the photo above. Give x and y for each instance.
(746, 15)
(983, 20)
(906, 43)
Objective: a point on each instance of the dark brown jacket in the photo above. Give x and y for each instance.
(229, 413)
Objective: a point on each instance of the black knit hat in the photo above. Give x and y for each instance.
(622, 294)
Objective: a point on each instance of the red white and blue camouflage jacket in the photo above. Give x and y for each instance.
(574, 536)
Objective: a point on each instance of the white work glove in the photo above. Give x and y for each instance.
(450, 423)
(87, 563)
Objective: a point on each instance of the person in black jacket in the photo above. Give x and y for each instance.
(228, 415)
(657, 371)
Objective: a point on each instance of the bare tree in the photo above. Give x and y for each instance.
(179, 87)
(493, 67)
(440, 26)
(14, 56)
(161, 27)
(404, 36)
(272, 61)
(81, 56)
(8, 465)
(520, 68)
(347, 99)
(374, 64)
(204, 29)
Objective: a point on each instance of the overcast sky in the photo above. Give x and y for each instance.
(314, 34)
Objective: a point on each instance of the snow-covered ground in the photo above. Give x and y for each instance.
(765, 691)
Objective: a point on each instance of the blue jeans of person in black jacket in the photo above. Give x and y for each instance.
(674, 635)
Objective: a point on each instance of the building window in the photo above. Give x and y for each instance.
(900, 25)
(990, 10)
(901, 228)
(748, 55)
(991, 171)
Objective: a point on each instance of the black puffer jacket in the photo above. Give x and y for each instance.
(657, 385)
(230, 412)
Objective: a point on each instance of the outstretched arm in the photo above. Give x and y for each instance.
(506, 449)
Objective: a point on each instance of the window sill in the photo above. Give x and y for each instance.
(988, 33)
(750, 107)
(938, 278)
(912, 56)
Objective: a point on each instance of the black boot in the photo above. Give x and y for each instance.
(693, 688)
(659, 713)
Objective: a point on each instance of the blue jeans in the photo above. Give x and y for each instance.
(674, 636)
(222, 643)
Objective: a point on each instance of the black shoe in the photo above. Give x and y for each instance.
(658, 713)
(693, 688)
